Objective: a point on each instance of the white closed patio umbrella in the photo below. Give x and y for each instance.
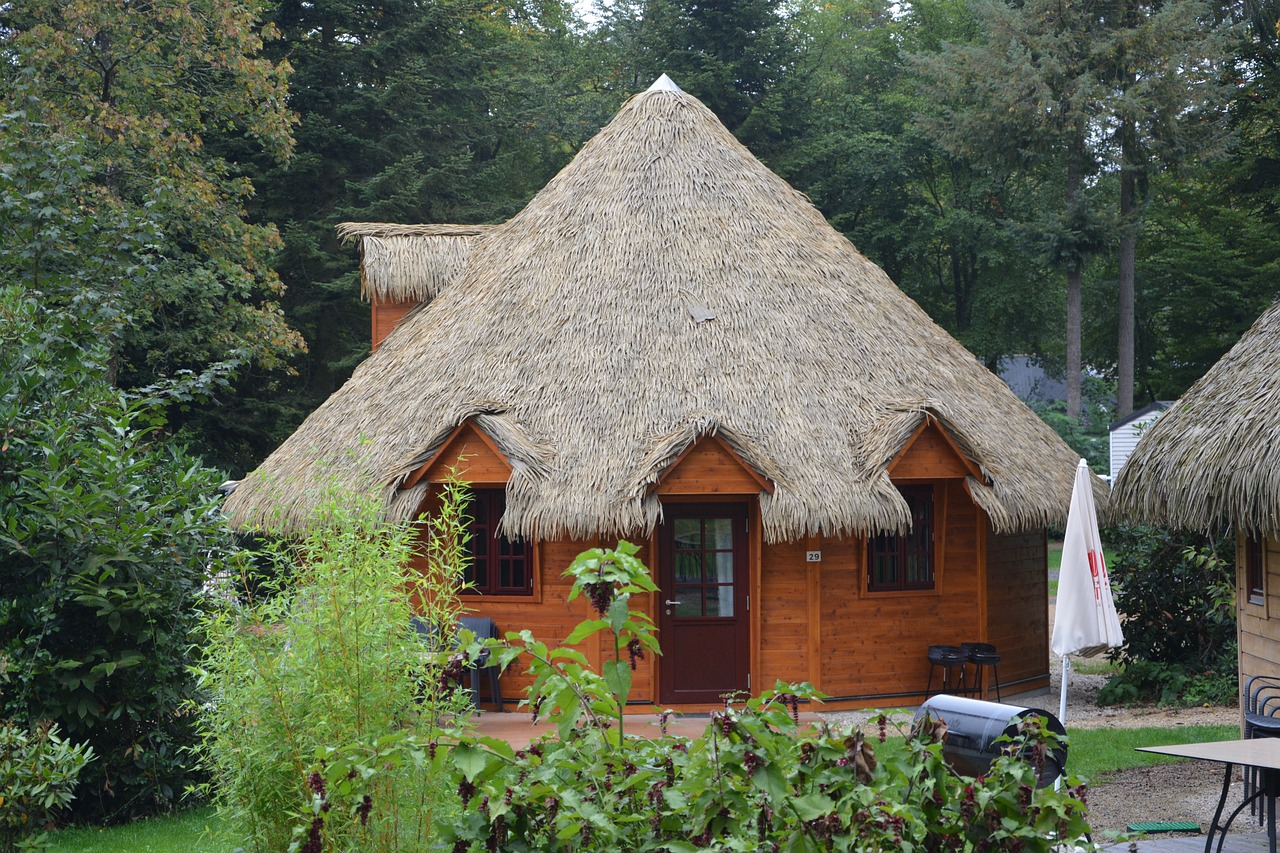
(1085, 622)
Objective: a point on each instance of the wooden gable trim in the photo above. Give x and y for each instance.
(465, 438)
(665, 483)
(932, 423)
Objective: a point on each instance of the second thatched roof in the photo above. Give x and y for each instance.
(667, 286)
(1212, 461)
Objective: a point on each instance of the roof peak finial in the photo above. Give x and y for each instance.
(664, 84)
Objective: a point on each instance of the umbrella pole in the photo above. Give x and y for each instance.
(1062, 706)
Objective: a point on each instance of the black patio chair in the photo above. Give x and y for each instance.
(1261, 701)
(484, 629)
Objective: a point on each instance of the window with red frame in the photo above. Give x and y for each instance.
(498, 565)
(906, 561)
(1254, 546)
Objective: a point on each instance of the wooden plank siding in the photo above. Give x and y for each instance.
(1258, 625)
(386, 316)
(472, 456)
(548, 614)
(818, 621)
(874, 644)
(1017, 606)
(710, 467)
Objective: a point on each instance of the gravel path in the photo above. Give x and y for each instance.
(1181, 791)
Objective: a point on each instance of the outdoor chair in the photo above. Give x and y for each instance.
(982, 656)
(1261, 701)
(950, 658)
(484, 629)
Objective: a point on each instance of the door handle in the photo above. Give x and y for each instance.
(672, 603)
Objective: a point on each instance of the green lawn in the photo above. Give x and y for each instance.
(1094, 753)
(196, 830)
(1055, 563)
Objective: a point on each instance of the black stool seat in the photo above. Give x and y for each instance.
(949, 658)
(983, 655)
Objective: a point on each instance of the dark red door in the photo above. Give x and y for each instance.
(703, 602)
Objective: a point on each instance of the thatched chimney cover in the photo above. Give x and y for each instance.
(666, 286)
(1212, 461)
(410, 263)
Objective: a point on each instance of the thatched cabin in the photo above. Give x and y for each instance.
(669, 344)
(1211, 463)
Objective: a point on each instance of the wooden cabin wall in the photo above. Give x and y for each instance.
(386, 316)
(1258, 625)
(1017, 612)
(551, 617)
(871, 646)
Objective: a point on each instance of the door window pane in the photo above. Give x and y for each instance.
(688, 567)
(688, 533)
(720, 567)
(719, 533)
(720, 601)
(690, 598)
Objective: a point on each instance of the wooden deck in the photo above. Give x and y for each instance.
(1249, 842)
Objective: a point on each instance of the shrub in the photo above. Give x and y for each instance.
(750, 782)
(37, 775)
(326, 668)
(1177, 595)
(108, 532)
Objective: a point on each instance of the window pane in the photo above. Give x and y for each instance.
(720, 567)
(720, 601)
(719, 534)
(690, 598)
(688, 533)
(688, 567)
(479, 574)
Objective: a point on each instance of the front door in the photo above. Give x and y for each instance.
(702, 602)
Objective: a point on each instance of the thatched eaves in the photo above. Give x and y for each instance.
(1212, 461)
(410, 263)
(663, 288)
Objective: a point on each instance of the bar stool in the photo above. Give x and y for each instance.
(949, 658)
(982, 655)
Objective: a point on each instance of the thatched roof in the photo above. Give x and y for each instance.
(1212, 461)
(663, 287)
(410, 263)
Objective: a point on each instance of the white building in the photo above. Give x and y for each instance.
(1124, 433)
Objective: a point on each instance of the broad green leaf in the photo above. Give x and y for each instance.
(469, 761)
(812, 806)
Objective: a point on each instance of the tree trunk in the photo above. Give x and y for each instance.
(1125, 286)
(1125, 294)
(1073, 296)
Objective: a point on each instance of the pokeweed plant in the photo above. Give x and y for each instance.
(326, 670)
(754, 780)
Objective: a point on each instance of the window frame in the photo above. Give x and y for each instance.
(486, 511)
(922, 500)
(1255, 563)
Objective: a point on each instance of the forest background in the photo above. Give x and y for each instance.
(1091, 184)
